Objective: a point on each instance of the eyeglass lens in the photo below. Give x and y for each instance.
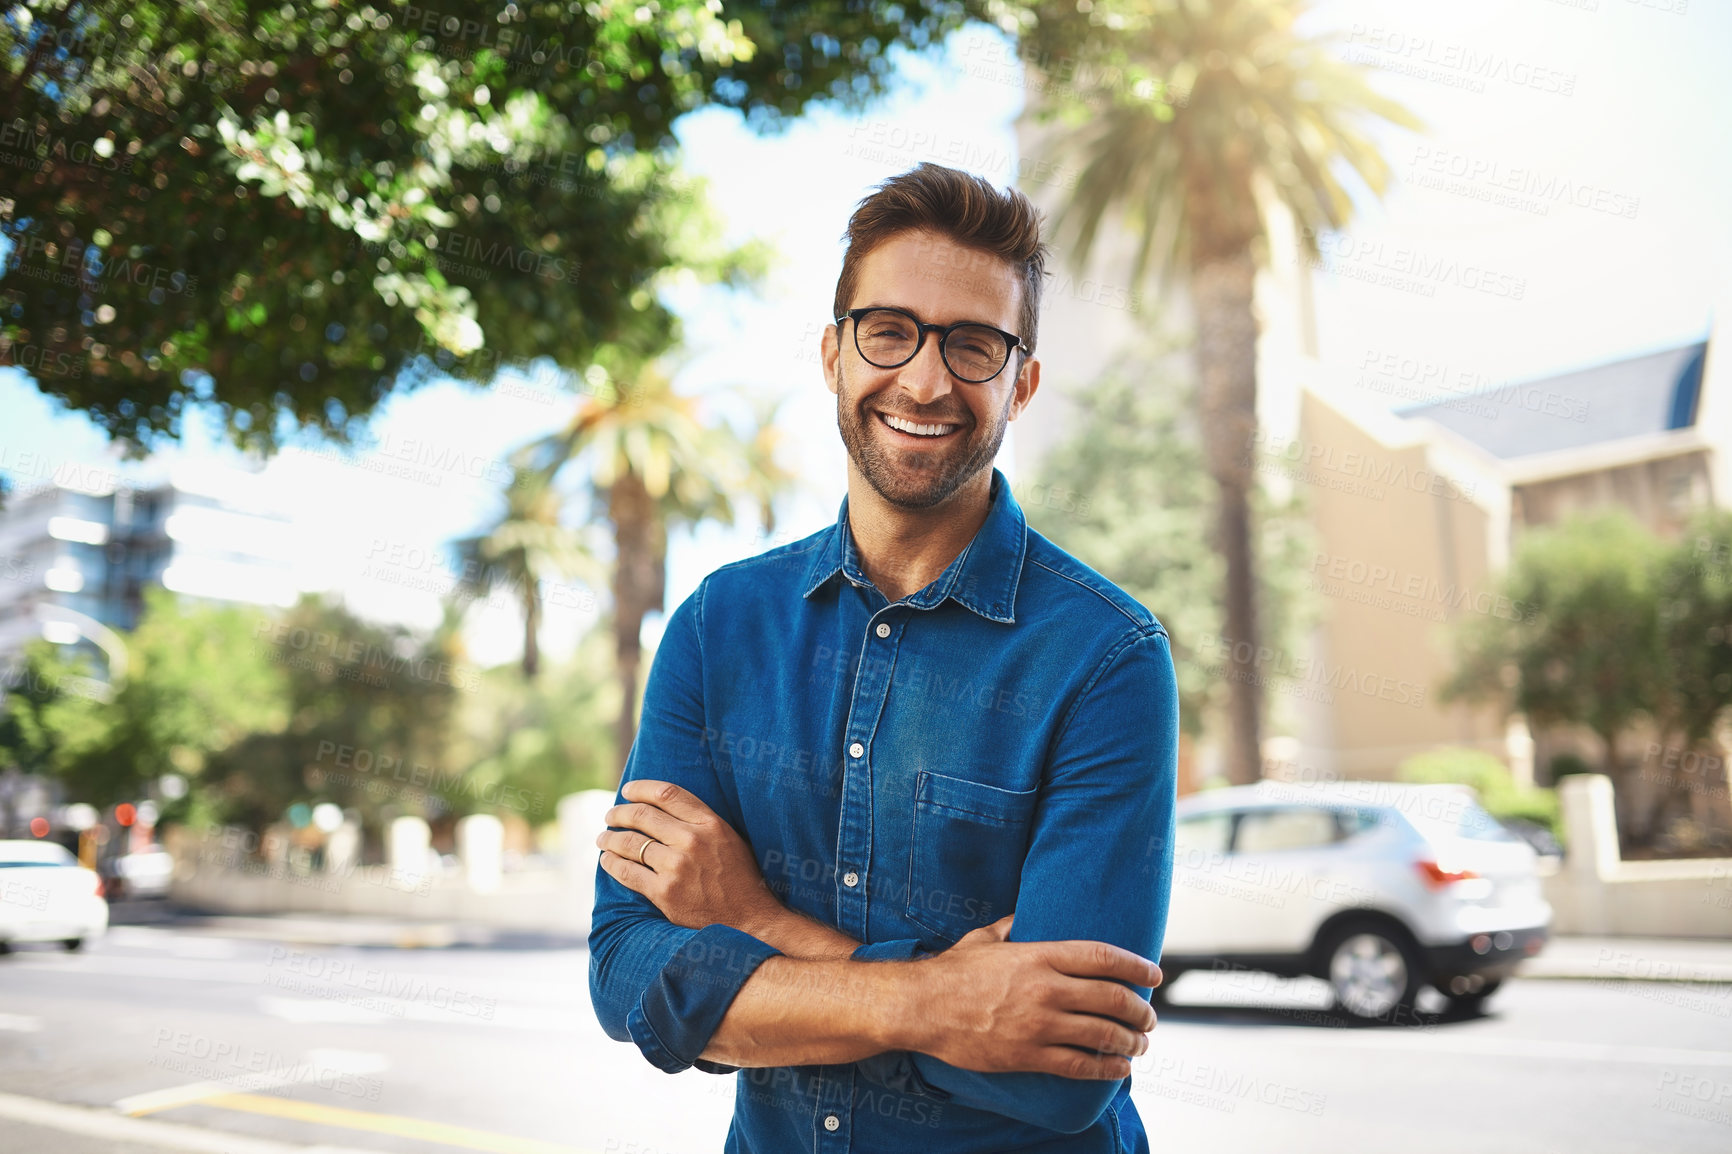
(888, 339)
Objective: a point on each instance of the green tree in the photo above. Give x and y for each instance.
(531, 744)
(363, 705)
(1694, 590)
(1586, 648)
(528, 547)
(289, 210)
(198, 683)
(1126, 492)
(1218, 100)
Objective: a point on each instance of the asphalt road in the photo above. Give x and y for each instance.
(495, 1048)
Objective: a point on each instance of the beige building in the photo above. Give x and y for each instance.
(1414, 509)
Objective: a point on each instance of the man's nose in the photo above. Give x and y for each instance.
(926, 378)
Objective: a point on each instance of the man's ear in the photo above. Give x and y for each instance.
(1027, 384)
(830, 352)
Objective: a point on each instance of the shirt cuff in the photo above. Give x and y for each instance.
(894, 1070)
(901, 950)
(678, 1013)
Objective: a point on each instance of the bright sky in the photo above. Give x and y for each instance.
(1640, 128)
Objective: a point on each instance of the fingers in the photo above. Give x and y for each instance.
(628, 844)
(1069, 1063)
(649, 820)
(1100, 1036)
(665, 795)
(1102, 960)
(1107, 1000)
(627, 872)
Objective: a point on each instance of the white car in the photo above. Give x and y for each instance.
(1376, 887)
(46, 896)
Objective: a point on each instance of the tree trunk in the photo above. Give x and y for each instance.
(531, 627)
(1227, 396)
(639, 573)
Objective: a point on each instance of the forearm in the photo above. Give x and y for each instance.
(805, 1012)
(797, 935)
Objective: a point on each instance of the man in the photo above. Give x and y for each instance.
(894, 839)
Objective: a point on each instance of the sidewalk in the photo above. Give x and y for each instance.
(1565, 957)
(1633, 960)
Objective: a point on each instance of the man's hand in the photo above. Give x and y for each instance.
(695, 868)
(993, 1005)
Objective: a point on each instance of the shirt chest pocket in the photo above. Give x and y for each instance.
(965, 857)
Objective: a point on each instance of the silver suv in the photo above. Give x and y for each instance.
(1378, 888)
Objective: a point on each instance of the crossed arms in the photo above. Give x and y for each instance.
(1034, 1017)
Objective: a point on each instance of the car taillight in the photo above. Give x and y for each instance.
(1437, 877)
(101, 887)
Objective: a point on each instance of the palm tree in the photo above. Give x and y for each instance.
(654, 463)
(527, 545)
(1226, 105)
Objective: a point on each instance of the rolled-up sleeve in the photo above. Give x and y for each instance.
(1108, 793)
(662, 986)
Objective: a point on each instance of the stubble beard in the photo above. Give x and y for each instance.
(909, 479)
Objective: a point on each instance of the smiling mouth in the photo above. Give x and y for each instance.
(917, 429)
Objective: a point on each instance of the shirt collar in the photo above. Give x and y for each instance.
(983, 577)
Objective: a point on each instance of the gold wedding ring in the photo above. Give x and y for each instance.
(647, 842)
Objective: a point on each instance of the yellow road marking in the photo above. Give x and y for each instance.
(396, 1124)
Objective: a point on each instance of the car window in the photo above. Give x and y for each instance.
(1270, 830)
(1477, 824)
(1194, 838)
(34, 853)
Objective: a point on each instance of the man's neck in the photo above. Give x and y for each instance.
(904, 550)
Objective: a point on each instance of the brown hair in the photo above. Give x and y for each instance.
(954, 204)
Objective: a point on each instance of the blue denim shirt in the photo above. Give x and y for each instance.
(1004, 740)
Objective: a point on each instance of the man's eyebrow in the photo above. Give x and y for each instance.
(911, 312)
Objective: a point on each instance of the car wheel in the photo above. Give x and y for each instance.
(1372, 971)
(72, 945)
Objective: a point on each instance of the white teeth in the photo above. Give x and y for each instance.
(917, 430)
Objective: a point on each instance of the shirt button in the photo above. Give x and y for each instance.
(883, 629)
(856, 750)
(850, 878)
(831, 1122)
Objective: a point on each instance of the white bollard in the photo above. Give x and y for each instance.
(581, 818)
(481, 848)
(408, 848)
(343, 848)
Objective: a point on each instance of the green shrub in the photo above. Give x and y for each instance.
(1490, 779)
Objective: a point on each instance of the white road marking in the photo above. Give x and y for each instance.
(20, 1023)
(317, 1064)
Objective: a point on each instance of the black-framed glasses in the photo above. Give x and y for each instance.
(888, 338)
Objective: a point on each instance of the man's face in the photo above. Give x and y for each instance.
(941, 282)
